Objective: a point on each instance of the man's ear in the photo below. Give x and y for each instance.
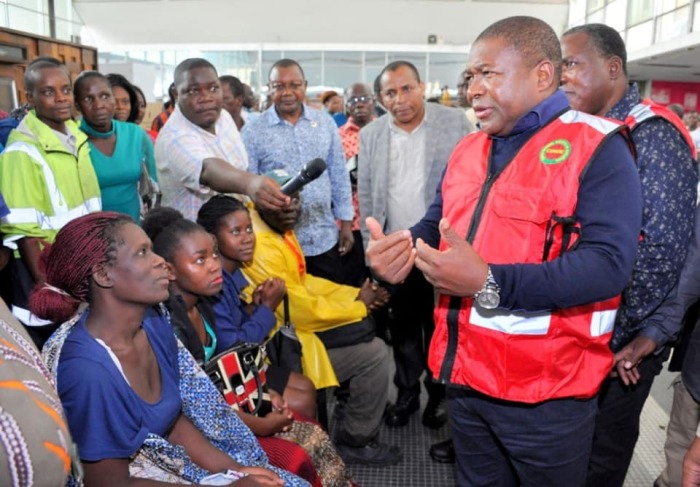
(102, 277)
(615, 67)
(546, 75)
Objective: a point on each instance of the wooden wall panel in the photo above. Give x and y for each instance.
(76, 57)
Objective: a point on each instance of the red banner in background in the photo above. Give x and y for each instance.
(667, 92)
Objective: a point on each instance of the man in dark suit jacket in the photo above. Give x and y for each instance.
(401, 158)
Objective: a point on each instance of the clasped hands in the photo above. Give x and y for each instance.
(456, 271)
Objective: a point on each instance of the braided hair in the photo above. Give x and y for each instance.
(213, 211)
(84, 243)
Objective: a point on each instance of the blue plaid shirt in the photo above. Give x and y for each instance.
(669, 180)
(273, 143)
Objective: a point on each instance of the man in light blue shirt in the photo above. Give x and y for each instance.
(287, 136)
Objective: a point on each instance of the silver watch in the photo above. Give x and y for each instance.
(488, 297)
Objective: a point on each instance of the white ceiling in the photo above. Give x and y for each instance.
(114, 23)
(676, 60)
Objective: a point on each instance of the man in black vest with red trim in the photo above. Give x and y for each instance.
(594, 78)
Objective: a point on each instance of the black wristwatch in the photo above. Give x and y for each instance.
(488, 297)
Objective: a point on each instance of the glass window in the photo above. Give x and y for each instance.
(594, 5)
(444, 69)
(597, 17)
(577, 12)
(30, 17)
(673, 24)
(615, 13)
(268, 59)
(668, 5)
(639, 10)
(343, 68)
(640, 36)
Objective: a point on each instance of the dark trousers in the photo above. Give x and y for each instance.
(504, 444)
(617, 425)
(354, 269)
(411, 329)
(326, 265)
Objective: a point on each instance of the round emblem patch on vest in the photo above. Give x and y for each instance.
(555, 152)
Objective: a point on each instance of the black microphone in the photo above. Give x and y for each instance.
(312, 170)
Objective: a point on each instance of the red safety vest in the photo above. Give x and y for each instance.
(648, 109)
(523, 215)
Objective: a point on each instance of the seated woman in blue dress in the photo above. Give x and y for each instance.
(137, 405)
(118, 150)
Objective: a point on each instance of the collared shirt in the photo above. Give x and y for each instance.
(274, 143)
(669, 189)
(182, 147)
(350, 138)
(406, 176)
(608, 208)
(68, 140)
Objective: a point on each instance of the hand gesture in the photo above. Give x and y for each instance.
(457, 271)
(270, 292)
(628, 359)
(266, 193)
(390, 256)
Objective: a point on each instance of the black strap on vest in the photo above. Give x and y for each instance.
(570, 233)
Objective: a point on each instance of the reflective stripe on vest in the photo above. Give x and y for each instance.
(19, 216)
(648, 109)
(58, 202)
(524, 323)
(62, 214)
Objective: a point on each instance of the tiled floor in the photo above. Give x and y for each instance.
(418, 470)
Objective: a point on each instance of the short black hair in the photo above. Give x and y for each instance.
(119, 80)
(606, 41)
(234, 84)
(188, 65)
(83, 77)
(378, 87)
(165, 227)
(532, 38)
(286, 63)
(212, 212)
(393, 66)
(37, 65)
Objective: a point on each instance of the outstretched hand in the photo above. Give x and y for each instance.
(391, 256)
(266, 193)
(456, 271)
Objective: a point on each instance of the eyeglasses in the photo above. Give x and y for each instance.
(354, 100)
(293, 86)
